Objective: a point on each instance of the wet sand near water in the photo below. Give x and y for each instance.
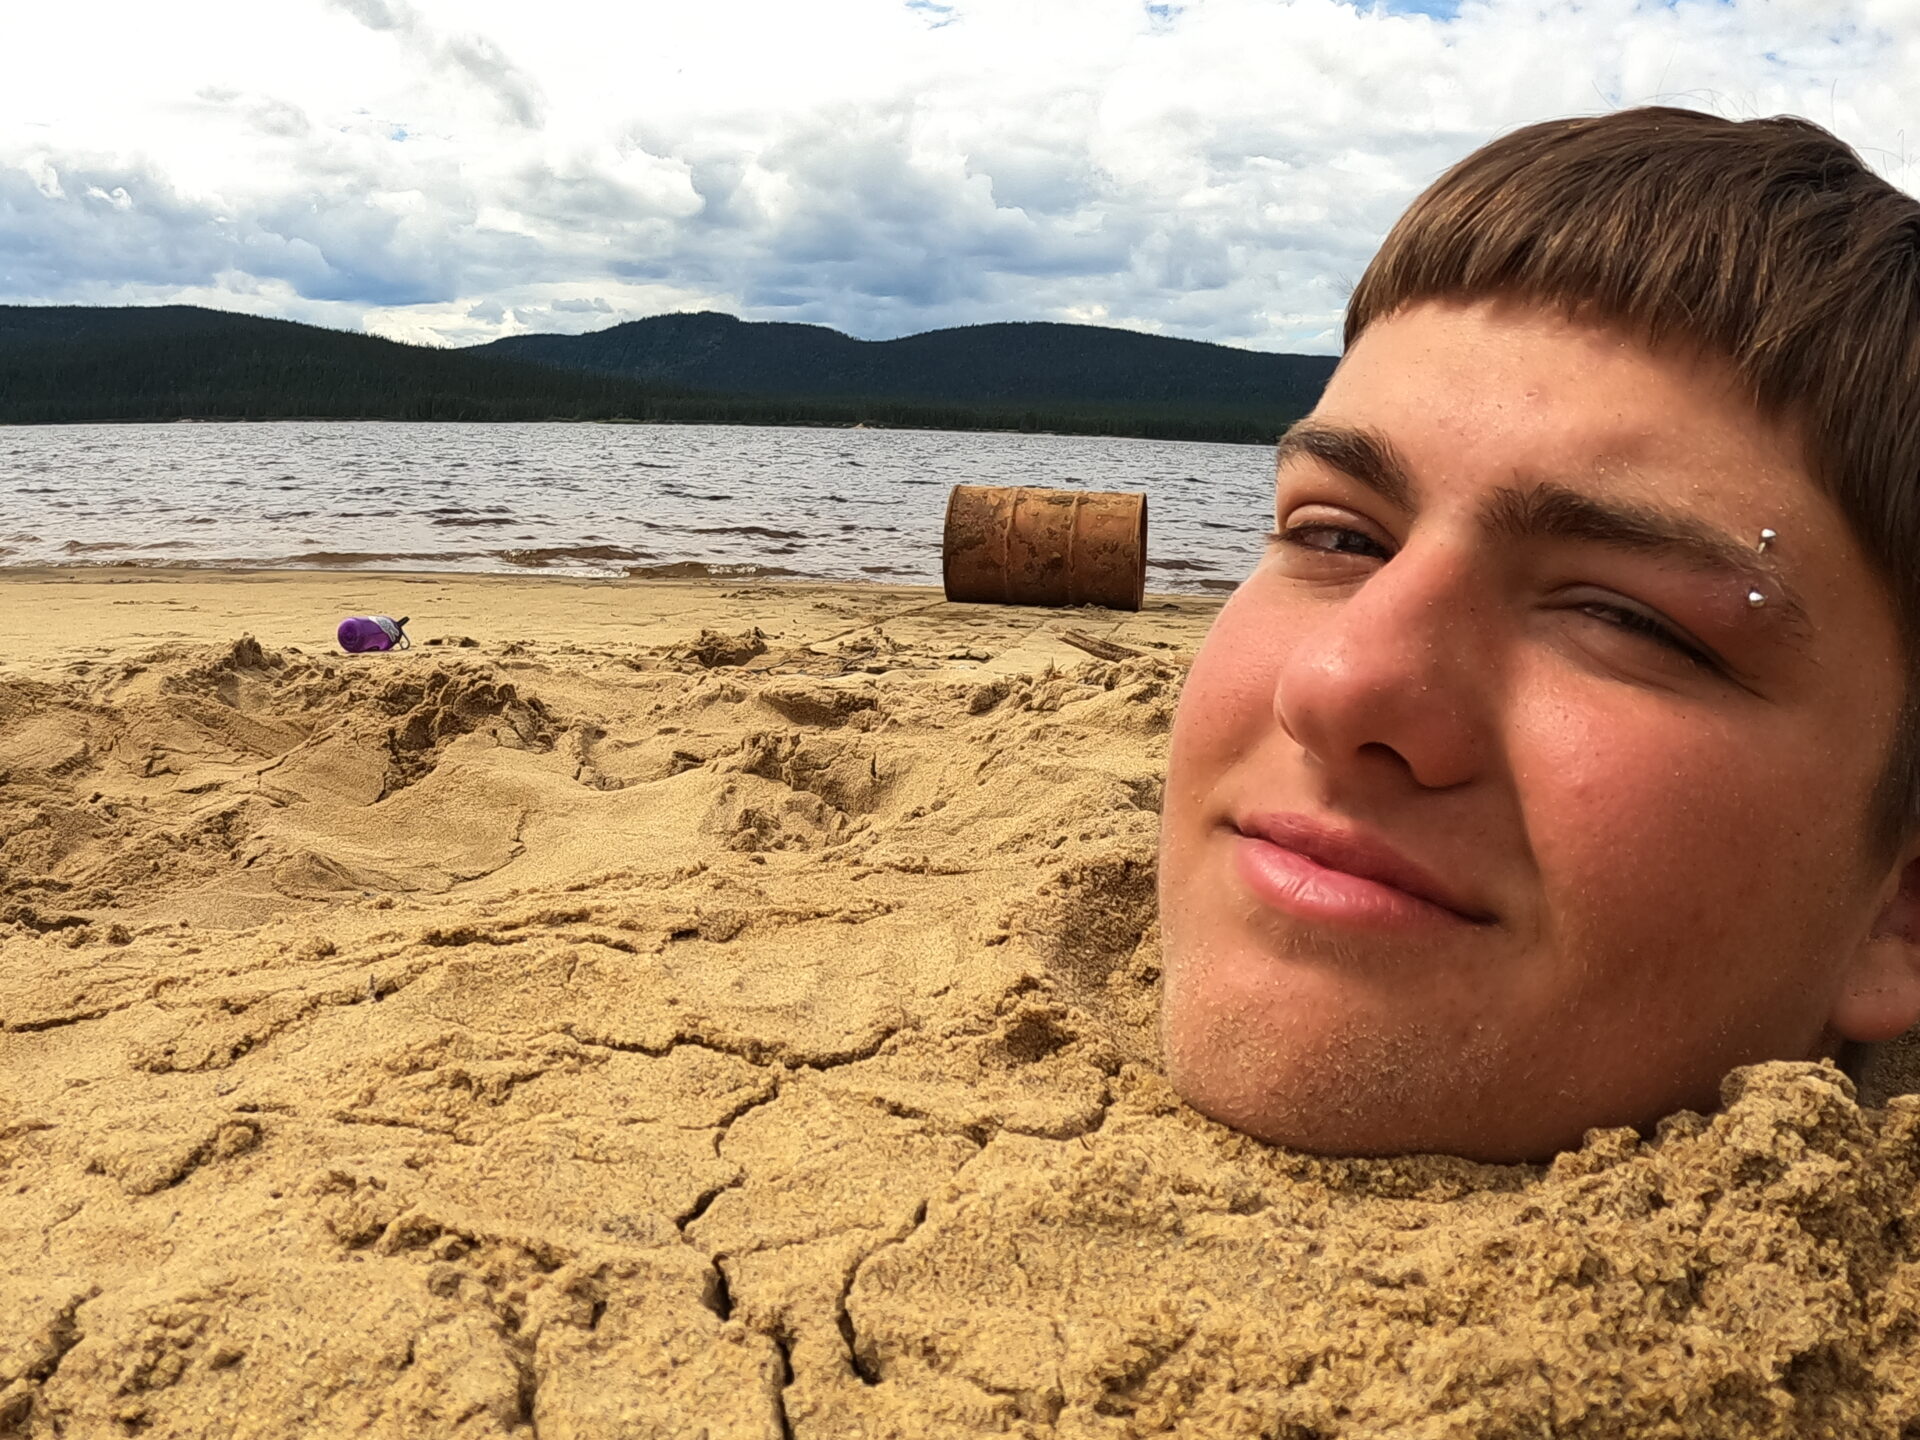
(615, 1021)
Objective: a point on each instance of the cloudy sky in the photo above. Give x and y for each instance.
(453, 170)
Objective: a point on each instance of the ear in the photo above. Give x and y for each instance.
(1880, 993)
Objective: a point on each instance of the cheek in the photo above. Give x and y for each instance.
(1646, 824)
(1226, 704)
(1225, 711)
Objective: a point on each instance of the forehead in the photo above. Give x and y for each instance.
(1488, 392)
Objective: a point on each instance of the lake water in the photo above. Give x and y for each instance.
(590, 499)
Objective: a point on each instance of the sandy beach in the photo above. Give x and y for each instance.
(655, 1008)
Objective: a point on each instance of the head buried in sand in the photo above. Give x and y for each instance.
(1529, 783)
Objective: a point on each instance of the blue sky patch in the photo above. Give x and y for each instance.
(1438, 9)
(935, 13)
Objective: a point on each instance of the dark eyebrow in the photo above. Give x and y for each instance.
(1356, 451)
(1548, 511)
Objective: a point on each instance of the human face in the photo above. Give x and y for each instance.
(1494, 809)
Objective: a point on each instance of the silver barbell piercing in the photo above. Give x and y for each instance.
(1756, 598)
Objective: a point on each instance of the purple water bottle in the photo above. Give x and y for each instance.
(359, 633)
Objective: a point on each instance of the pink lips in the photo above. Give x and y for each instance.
(1317, 872)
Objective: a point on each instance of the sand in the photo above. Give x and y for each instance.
(612, 1021)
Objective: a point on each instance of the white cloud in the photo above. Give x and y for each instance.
(456, 169)
(474, 57)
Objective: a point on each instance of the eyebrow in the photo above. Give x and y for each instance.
(1547, 510)
(1357, 451)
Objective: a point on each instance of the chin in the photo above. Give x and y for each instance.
(1312, 1117)
(1339, 1084)
(1339, 1121)
(1361, 1092)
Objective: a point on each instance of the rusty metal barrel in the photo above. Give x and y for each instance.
(1017, 545)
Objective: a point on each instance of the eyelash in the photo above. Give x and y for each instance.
(1293, 534)
(1634, 622)
(1640, 624)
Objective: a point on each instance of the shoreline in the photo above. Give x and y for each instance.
(89, 611)
(679, 571)
(632, 420)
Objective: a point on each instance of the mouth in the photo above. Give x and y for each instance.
(1318, 871)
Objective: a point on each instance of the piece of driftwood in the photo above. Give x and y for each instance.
(1096, 647)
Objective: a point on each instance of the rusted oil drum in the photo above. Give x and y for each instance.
(1016, 545)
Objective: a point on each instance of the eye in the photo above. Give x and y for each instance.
(1330, 539)
(1639, 622)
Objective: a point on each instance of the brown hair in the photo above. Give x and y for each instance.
(1766, 243)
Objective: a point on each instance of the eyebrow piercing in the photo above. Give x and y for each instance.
(1757, 598)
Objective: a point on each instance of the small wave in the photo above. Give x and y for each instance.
(1180, 565)
(700, 570)
(145, 562)
(548, 555)
(98, 547)
(476, 521)
(374, 557)
(760, 532)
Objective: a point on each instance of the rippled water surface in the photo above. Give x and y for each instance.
(589, 499)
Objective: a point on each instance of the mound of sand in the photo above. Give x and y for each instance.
(750, 1034)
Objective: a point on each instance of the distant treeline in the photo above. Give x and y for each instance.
(70, 364)
(1144, 422)
(1037, 365)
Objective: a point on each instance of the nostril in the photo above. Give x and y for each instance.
(1380, 750)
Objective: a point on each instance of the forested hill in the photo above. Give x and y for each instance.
(1020, 363)
(82, 363)
(171, 362)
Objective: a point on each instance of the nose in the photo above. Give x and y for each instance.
(1400, 675)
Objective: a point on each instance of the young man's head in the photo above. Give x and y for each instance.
(1559, 754)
